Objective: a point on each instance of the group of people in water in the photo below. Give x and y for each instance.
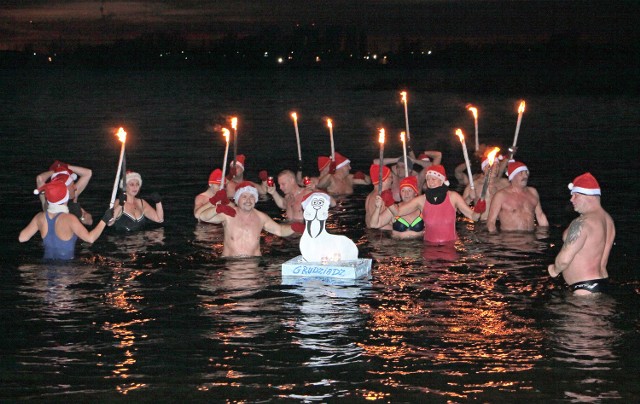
(409, 200)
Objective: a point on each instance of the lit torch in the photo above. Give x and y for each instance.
(474, 111)
(406, 118)
(295, 125)
(333, 150)
(122, 136)
(515, 137)
(466, 157)
(404, 153)
(380, 163)
(225, 133)
(485, 186)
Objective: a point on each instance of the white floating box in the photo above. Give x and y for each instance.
(353, 269)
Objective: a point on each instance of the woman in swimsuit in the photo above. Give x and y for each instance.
(134, 213)
(409, 225)
(439, 206)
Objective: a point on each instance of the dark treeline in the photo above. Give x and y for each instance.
(561, 64)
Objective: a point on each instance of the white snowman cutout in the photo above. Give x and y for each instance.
(316, 245)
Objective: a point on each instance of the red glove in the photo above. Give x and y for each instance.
(220, 196)
(387, 197)
(359, 175)
(298, 227)
(226, 209)
(481, 206)
(263, 175)
(332, 167)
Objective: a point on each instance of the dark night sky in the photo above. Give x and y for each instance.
(440, 21)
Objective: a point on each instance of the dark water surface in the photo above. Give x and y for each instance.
(159, 316)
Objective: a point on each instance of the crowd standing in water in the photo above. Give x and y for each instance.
(410, 202)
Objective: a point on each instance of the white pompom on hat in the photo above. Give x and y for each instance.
(585, 184)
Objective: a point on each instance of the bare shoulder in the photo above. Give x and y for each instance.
(575, 230)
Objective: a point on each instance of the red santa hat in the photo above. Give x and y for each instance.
(410, 182)
(437, 170)
(323, 162)
(514, 168)
(374, 173)
(585, 184)
(307, 199)
(245, 186)
(341, 160)
(55, 191)
(239, 160)
(423, 157)
(64, 173)
(215, 177)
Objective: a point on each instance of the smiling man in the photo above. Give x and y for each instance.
(517, 206)
(243, 224)
(582, 261)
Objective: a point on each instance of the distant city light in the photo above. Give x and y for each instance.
(266, 54)
(280, 60)
(317, 59)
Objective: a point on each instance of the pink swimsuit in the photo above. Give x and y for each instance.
(440, 222)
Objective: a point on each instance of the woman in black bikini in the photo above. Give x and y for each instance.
(410, 225)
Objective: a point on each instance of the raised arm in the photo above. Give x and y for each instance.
(277, 198)
(84, 175)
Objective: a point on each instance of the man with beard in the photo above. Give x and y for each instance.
(243, 224)
(517, 206)
(439, 206)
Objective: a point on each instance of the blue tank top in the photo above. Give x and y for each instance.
(54, 247)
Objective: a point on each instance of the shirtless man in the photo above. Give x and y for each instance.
(236, 176)
(582, 261)
(58, 228)
(215, 178)
(341, 182)
(243, 224)
(516, 206)
(496, 183)
(293, 195)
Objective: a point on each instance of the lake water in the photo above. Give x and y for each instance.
(159, 316)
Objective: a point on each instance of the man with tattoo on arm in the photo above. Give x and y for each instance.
(582, 261)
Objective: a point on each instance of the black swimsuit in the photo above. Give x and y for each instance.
(593, 286)
(401, 224)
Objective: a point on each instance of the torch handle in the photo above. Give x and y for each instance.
(485, 185)
(115, 182)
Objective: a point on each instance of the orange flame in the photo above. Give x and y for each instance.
(294, 116)
(234, 122)
(225, 133)
(402, 135)
(404, 96)
(381, 136)
(521, 107)
(122, 135)
(492, 155)
(460, 135)
(474, 111)
(329, 123)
